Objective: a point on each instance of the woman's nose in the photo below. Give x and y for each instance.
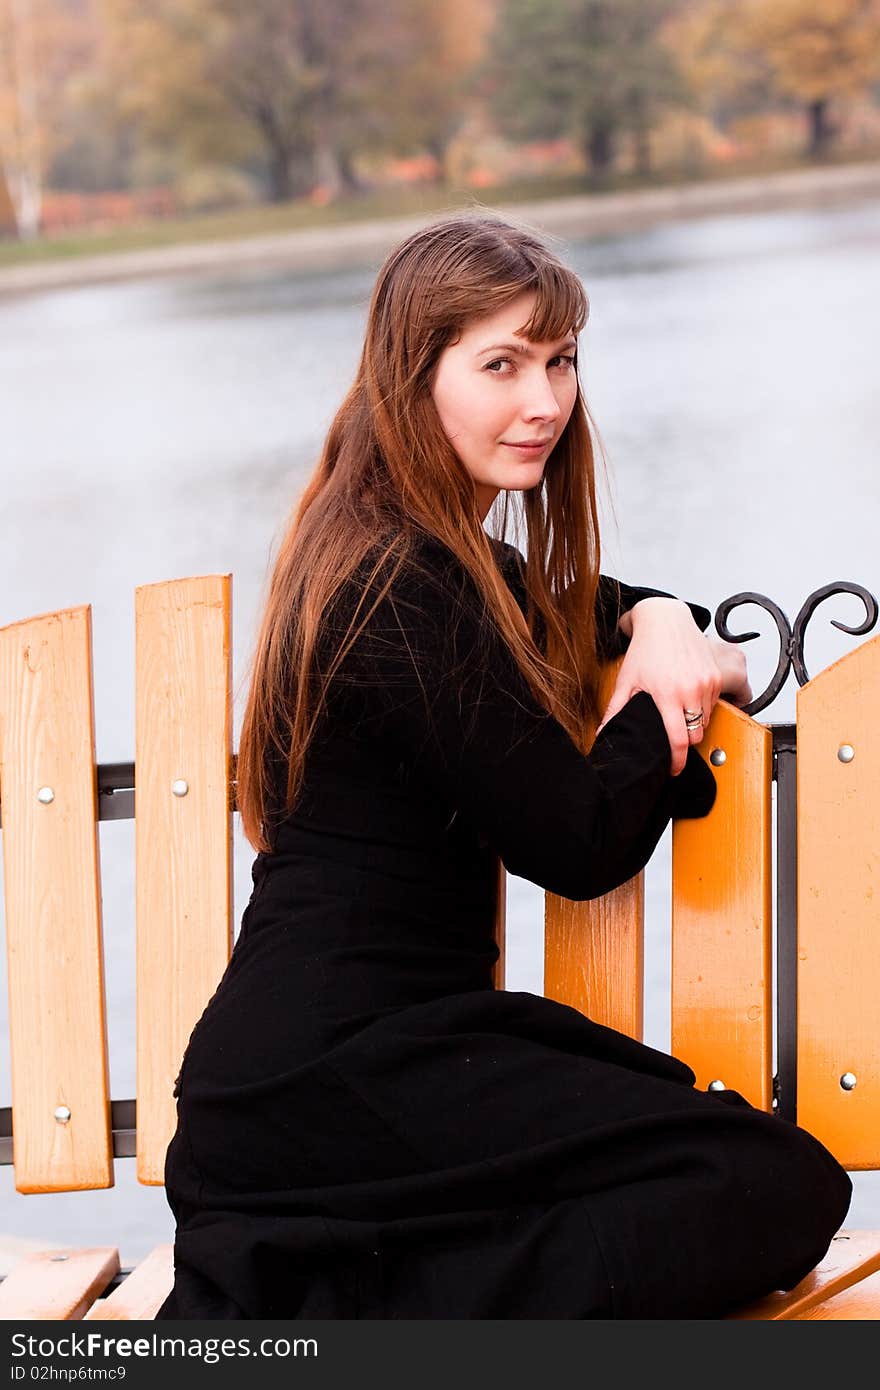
(539, 400)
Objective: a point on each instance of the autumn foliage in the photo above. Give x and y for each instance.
(216, 101)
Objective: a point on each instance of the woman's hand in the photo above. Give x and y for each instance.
(680, 668)
(731, 660)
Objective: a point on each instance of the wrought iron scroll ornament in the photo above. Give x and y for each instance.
(791, 637)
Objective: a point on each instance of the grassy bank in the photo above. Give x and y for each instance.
(375, 204)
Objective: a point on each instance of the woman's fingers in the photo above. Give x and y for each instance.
(674, 701)
(679, 737)
(695, 731)
(619, 697)
(733, 668)
(682, 729)
(682, 670)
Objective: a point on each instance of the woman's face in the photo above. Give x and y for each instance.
(503, 401)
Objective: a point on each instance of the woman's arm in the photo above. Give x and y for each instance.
(665, 653)
(671, 658)
(615, 603)
(440, 685)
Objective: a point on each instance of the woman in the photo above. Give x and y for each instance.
(366, 1128)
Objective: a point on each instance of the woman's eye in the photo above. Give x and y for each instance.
(563, 361)
(498, 364)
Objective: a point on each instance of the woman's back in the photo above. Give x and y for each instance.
(376, 894)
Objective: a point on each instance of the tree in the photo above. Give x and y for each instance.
(310, 83)
(341, 77)
(818, 50)
(589, 68)
(44, 45)
(725, 75)
(434, 86)
(8, 219)
(155, 84)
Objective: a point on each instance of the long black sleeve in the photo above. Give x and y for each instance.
(435, 677)
(614, 598)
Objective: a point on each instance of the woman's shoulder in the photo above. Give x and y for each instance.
(393, 596)
(427, 579)
(512, 564)
(508, 556)
(443, 561)
(425, 569)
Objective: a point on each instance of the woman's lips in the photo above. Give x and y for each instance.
(528, 446)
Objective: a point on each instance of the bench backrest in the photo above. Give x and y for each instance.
(726, 1013)
(49, 794)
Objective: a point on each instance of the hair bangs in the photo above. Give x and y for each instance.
(561, 304)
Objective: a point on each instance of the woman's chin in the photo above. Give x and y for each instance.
(525, 479)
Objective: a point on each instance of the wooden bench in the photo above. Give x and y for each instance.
(68, 1132)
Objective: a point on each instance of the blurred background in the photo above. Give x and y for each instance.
(114, 113)
(194, 198)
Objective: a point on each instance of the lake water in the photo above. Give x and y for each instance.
(165, 428)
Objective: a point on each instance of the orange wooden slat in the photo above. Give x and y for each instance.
(183, 842)
(722, 916)
(141, 1293)
(839, 906)
(57, 1284)
(61, 1104)
(860, 1302)
(594, 951)
(851, 1258)
(594, 956)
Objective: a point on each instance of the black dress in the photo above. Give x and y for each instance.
(366, 1129)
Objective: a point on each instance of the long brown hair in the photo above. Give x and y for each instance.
(388, 473)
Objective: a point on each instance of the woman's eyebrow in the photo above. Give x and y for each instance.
(521, 348)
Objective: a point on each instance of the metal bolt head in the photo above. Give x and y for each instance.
(717, 1086)
(848, 1081)
(718, 757)
(62, 1114)
(846, 752)
(45, 794)
(180, 787)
